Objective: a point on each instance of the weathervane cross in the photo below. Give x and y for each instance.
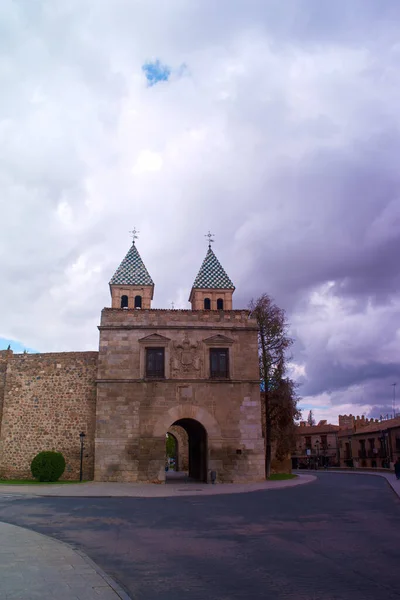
(210, 236)
(134, 234)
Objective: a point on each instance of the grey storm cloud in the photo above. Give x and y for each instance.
(330, 377)
(281, 135)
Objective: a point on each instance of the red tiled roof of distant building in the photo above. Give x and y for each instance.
(315, 429)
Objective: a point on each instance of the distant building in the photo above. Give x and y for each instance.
(316, 446)
(370, 444)
(356, 442)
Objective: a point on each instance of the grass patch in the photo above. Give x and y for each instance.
(281, 476)
(35, 482)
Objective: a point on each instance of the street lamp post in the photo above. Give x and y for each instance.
(82, 437)
(317, 447)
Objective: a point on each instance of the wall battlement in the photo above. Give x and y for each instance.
(111, 317)
(352, 422)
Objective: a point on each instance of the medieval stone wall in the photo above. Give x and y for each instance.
(134, 414)
(4, 356)
(48, 400)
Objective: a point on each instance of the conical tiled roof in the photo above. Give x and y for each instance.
(132, 270)
(212, 274)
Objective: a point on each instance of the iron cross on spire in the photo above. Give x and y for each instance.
(134, 234)
(210, 237)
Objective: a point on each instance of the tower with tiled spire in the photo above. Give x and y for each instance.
(212, 289)
(163, 370)
(131, 285)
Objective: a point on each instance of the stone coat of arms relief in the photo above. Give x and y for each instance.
(186, 358)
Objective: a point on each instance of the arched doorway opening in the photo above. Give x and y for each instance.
(190, 438)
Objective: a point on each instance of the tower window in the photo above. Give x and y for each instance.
(207, 304)
(219, 363)
(220, 304)
(155, 362)
(124, 301)
(138, 301)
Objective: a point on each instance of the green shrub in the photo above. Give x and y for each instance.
(48, 466)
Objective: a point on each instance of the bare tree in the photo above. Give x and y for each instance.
(273, 343)
(310, 418)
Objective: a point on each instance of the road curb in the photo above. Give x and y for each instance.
(107, 578)
(167, 492)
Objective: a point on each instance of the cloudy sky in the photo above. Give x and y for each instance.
(273, 124)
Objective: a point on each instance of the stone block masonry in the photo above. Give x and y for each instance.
(4, 356)
(47, 400)
(134, 412)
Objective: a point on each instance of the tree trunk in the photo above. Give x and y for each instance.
(268, 452)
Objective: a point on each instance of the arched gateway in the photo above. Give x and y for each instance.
(198, 425)
(192, 369)
(191, 458)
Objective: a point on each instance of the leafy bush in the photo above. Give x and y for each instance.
(48, 466)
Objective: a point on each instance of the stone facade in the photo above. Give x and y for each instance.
(134, 413)
(48, 399)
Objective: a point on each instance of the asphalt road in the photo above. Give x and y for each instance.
(336, 538)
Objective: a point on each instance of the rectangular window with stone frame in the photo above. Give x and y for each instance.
(219, 363)
(155, 363)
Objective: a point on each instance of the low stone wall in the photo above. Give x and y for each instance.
(48, 400)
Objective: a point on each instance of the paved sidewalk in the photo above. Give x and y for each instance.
(34, 566)
(390, 477)
(137, 490)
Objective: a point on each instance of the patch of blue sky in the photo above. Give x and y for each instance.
(15, 346)
(156, 71)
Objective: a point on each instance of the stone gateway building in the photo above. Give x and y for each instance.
(191, 373)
